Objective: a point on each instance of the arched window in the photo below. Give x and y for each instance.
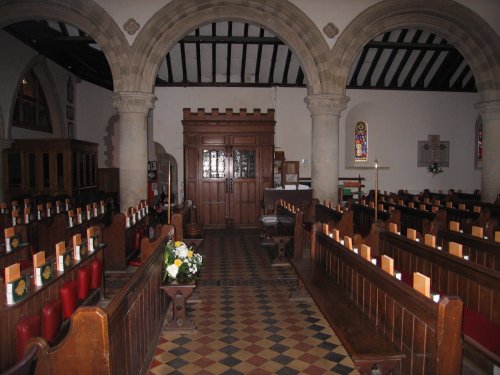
(31, 110)
(361, 142)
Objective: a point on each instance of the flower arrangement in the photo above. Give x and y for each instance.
(180, 262)
(434, 169)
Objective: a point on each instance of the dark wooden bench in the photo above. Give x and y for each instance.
(383, 323)
(477, 286)
(32, 304)
(120, 339)
(482, 251)
(123, 242)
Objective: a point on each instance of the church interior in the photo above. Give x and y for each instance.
(250, 187)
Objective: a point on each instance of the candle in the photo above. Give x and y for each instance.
(169, 191)
(376, 188)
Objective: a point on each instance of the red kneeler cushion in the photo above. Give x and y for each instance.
(51, 319)
(95, 273)
(25, 329)
(68, 298)
(482, 330)
(83, 282)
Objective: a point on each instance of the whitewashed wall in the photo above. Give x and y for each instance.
(96, 120)
(396, 121)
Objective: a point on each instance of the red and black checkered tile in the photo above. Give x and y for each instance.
(245, 322)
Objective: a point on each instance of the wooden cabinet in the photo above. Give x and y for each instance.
(228, 162)
(50, 167)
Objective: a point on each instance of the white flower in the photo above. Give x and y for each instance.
(182, 251)
(172, 270)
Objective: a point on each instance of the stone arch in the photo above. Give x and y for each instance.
(180, 17)
(42, 72)
(87, 16)
(468, 32)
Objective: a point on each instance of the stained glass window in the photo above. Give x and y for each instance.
(214, 163)
(244, 164)
(361, 141)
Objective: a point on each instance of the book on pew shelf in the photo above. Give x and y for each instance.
(43, 274)
(387, 264)
(455, 249)
(411, 234)
(12, 272)
(366, 252)
(63, 257)
(430, 240)
(477, 231)
(38, 262)
(422, 284)
(455, 226)
(497, 236)
(17, 289)
(64, 261)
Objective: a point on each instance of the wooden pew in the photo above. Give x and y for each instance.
(290, 224)
(120, 339)
(477, 286)
(122, 240)
(382, 322)
(364, 216)
(335, 218)
(181, 217)
(480, 251)
(31, 304)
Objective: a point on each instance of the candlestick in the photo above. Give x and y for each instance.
(376, 189)
(169, 192)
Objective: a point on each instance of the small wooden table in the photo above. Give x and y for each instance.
(280, 229)
(179, 294)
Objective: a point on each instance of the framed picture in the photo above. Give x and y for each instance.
(70, 113)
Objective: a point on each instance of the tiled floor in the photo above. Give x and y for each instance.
(246, 323)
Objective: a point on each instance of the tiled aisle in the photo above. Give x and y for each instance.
(245, 322)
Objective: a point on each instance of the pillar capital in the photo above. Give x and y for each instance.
(133, 101)
(326, 104)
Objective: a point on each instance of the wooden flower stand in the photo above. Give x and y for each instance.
(179, 294)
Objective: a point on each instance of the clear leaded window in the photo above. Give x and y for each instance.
(244, 164)
(361, 141)
(214, 163)
(31, 110)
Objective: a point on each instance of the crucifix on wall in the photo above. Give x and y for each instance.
(433, 151)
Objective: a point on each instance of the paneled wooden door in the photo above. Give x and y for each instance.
(229, 191)
(228, 164)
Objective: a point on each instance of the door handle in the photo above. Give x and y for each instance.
(230, 185)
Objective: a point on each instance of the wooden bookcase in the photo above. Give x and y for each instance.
(50, 167)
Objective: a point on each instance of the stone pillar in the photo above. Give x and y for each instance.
(325, 112)
(133, 150)
(4, 144)
(490, 176)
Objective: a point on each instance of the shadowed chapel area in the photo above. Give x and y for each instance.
(245, 322)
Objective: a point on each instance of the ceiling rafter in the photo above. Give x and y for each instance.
(224, 53)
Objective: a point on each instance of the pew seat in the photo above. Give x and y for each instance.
(364, 343)
(482, 333)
